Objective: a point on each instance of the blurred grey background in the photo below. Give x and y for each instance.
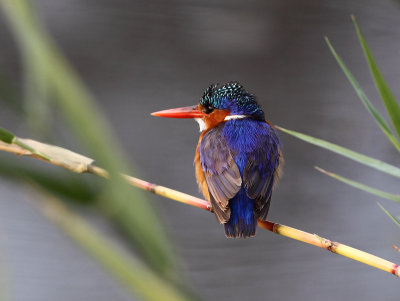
(141, 56)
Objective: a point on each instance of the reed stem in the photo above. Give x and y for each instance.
(69, 161)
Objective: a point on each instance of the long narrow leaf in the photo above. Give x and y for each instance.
(366, 188)
(9, 95)
(388, 99)
(371, 109)
(126, 206)
(371, 162)
(137, 277)
(393, 218)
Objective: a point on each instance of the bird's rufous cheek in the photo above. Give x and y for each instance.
(216, 117)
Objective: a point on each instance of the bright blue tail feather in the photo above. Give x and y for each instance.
(242, 222)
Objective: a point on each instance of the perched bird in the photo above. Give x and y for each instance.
(237, 157)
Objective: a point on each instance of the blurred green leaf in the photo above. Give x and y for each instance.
(75, 187)
(36, 101)
(393, 218)
(36, 97)
(388, 99)
(138, 278)
(377, 192)
(126, 206)
(9, 94)
(345, 152)
(367, 103)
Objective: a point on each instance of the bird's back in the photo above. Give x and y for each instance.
(237, 164)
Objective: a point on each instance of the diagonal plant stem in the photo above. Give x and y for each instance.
(78, 109)
(130, 271)
(277, 228)
(345, 152)
(393, 218)
(361, 186)
(367, 103)
(392, 107)
(156, 189)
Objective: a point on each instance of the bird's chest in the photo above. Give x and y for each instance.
(212, 156)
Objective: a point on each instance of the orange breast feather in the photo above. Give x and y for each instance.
(210, 121)
(201, 181)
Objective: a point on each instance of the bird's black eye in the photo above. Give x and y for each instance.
(208, 109)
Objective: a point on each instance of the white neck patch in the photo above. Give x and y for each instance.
(229, 117)
(201, 123)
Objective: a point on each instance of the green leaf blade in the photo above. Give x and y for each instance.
(345, 152)
(361, 186)
(139, 279)
(393, 218)
(367, 103)
(127, 207)
(388, 99)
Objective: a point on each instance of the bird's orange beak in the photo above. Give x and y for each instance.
(185, 112)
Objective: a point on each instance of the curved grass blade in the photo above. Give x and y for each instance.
(366, 188)
(36, 100)
(9, 95)
(137, 277)
(393, 218)
(367, 103)
(388, 99)
(345, 152)
(61, 183)
(90, 126)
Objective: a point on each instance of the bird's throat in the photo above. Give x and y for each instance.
(201, 123)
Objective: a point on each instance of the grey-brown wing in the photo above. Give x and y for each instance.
(221, 172)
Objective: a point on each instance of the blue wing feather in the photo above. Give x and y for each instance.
(257, 153)
(240, 158)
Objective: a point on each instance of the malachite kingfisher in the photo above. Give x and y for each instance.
(237, 157)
